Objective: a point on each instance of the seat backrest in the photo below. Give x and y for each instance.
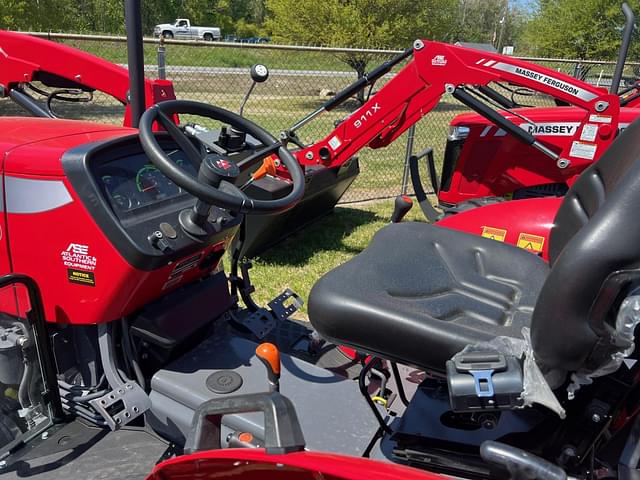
(595, 233)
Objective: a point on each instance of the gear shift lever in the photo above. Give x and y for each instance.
(270, 356)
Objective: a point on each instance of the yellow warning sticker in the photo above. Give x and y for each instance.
(533, 243)
(494, 233)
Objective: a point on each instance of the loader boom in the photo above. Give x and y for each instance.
(438, 68)
(24, 59)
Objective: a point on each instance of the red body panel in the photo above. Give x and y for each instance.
(37, 240)
(249, 464)
(519, 222)
(493, 163)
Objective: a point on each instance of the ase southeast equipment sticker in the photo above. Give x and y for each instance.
(494, 233)
(533, 243)
(81, 277)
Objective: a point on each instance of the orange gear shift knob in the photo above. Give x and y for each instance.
(269, 354)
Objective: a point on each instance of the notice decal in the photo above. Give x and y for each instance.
(493, 233)
(81, 277)
(583, 150)
(589, 132)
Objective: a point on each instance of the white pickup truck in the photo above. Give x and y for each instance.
(182, 29)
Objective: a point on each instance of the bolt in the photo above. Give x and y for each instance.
(601, 106)
(563, 163)
(449, 88)
(596, 418)
(309, 155)
(3, 464)
(44, 435)
(418, 45)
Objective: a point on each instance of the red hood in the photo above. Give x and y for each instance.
(35, 145)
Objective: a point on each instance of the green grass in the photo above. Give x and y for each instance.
(303, 258)
(210, 55)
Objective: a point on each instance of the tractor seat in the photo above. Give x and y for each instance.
(420, 293)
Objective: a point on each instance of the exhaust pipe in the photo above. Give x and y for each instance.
(629, 25)
(135, 59)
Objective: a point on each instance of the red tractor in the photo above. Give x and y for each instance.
(123, 341)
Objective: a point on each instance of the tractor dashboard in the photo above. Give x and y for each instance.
(91, 220)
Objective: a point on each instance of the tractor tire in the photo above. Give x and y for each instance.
(167, 34)
(208, 37)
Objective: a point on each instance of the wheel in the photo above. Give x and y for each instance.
(214, 184)
(167, 34)
(208, 37)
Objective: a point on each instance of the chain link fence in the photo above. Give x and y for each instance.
(301, 80)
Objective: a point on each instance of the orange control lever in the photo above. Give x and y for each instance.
(268, 167)
(269, 355)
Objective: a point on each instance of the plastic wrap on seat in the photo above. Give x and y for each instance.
(536, 389)
(626, 321)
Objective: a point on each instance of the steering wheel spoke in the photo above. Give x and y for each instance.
(214, 186)
(179, 137)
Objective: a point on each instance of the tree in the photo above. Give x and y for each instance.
(585, 29)
(358, 24)
(489, 21)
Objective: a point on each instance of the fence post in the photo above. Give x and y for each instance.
(409, 151)
(162, 67)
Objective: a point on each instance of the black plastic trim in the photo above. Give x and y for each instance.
(79, 164)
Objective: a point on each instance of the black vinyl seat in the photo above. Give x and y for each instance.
(419, 293)
(467, 289)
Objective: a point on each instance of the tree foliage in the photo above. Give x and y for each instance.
(585, 29)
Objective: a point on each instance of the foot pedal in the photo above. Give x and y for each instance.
(262, 322)
(121, 405)
(282, 307)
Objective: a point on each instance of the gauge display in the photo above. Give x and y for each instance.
(132, 182)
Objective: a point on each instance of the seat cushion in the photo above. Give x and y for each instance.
(420, 293)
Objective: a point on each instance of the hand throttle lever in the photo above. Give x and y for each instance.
(269, 355)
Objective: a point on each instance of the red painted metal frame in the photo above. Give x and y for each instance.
(249, 464)
(433, 71)
(23, 58)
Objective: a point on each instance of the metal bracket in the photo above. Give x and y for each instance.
(122, 404)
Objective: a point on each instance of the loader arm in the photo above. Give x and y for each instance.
(24, 59)
(438, 68)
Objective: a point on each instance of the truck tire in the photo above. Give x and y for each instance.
(208, 37)
(167, 34)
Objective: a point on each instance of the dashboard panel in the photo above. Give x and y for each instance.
(131, 183)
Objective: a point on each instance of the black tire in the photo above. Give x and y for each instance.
(208, 37)
(167, 34)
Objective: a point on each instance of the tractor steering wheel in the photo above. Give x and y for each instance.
(212, 185)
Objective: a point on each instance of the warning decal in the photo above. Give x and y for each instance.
(81, 277)
(583, 150)
(533, 243)
(494, 233)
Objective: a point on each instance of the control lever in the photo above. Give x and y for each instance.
(259, 74)
(401, 207)
(268, 167)
(269, 355)
(520, 464)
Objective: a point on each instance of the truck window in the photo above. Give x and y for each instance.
(182, 23)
